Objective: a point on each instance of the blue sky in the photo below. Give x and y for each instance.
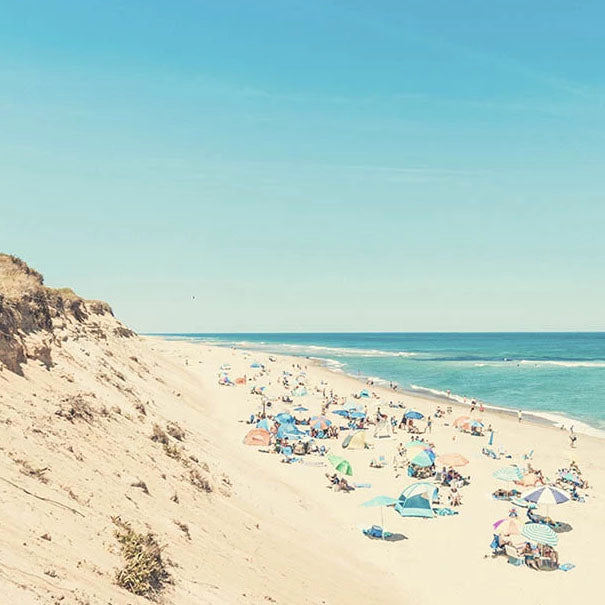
(333, 165)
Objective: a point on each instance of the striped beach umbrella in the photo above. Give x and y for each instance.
(424, 458)
(546, 494)
(508, 473)
(320, 423)
(540, 533)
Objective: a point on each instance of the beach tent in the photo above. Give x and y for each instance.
(299, 391)
(355, 441)
(284, 418)
(364, 393)
(288, 430)
(255, 364)
(257, 437)
(424, 459)
(342, 413)
(264, 424)
(416, 500)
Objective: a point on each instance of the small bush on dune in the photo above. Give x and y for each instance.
(144, 572)
(159, 435)
(174, 430)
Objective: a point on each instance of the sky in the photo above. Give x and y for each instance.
(335, 165)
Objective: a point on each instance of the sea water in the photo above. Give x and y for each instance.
(561, 376)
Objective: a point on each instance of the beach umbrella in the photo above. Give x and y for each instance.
(284, 418)
(423, 459)
(320, 423)
(540, 533)
(381, 501)
(301, 408)
(340, 464)
(546, 494)
(357, 415)
(414, 415)
(508, 527)
(470, 424)
(452, 460)
(461, 420)
(509, 473)
(342, 413)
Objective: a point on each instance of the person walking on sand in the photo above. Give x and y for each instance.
(572, 437)
(429, 424)
(520, 415)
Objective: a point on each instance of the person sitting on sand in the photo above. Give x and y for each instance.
(344, 486)
(531, 556)
(333, 478)
(455, 498)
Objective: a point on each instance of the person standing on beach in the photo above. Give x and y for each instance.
(520, 415)
(429, 424)
(572, 437)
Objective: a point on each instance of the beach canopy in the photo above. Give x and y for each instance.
(340, 464)
(257, 437)
(380, 501)
(508, 527)
(414, 415)
(509, 473)
(364, 393)
(452, 460)
(540, 533)
(546, 494)
(416, 500)
(423, 459)
(284, 418)
(355, 441)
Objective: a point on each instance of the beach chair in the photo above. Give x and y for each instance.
(529, 455)
(376, 532)
(382, 461)
(513, 556)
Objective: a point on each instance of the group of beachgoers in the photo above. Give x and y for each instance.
(310, 435)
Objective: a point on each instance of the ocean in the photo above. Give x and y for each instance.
(559, 376)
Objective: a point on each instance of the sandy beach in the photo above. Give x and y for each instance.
(124, 478)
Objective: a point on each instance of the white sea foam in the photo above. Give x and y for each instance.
(563, 364)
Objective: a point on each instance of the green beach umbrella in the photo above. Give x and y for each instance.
(341, 465)
(424, 458)
(509, 473)
(540, 533)
(415, 443)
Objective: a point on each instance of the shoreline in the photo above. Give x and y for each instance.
(546, 418)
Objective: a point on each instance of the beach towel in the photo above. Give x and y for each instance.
(566, 566)
(445, 512)
(358, 485)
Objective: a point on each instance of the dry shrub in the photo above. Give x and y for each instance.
(175, 452)
(141, 485)
(30, 471)
(174, 430)
(75, 408)
(199, 481)
(144, 572)
(175, 497)
(140, 407)
(184, 528)
(159, 435)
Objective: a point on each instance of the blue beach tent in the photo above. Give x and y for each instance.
(416, 500)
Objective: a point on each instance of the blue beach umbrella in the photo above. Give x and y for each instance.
(343, 413)
(301, 408)
(357, 415)
(380, 501)
(414, 415)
